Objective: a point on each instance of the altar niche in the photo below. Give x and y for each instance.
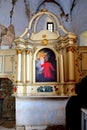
(45, 66)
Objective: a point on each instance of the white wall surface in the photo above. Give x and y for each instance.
(42, 111)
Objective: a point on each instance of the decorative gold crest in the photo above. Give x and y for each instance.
(45, 41)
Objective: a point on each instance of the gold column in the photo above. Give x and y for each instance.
(19, 52)
(71, 64)
(27, 66)
(61, 66)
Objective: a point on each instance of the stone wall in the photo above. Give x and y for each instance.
(8, 102)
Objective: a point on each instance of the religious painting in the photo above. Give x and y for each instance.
(45, 66)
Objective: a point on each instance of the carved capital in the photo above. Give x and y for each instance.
(72, 49)
(18, 81)
(27, 51)
(19, 51)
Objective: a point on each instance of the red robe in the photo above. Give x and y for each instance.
(47, 70)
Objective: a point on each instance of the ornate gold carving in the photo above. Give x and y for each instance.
(71, 80)
(45, 41)
(72, 49)
(27, 81)
(27, 51)
(19, 51)
(78, 61)
(18, 81)
(13, 77)
(75, 41)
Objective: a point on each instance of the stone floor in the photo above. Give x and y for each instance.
(50, 128)
(7, 125)
(10, 125)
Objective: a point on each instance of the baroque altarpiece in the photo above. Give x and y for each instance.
(45, 60)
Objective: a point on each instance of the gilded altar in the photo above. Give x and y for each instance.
(45, 60)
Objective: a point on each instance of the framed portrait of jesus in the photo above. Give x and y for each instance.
(45, 66)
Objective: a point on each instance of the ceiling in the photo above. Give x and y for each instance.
(72, 13)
